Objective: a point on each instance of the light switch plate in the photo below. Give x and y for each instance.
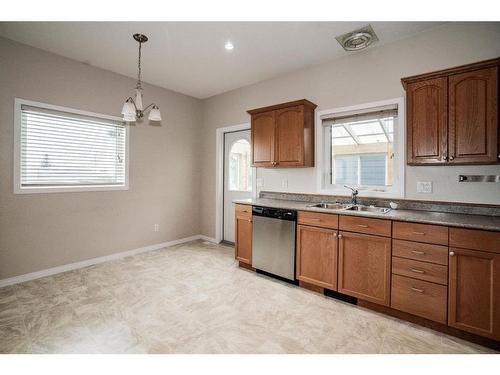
(424, 187)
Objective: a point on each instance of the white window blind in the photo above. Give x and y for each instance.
(63, 149)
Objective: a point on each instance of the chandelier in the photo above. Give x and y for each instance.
(134, 109)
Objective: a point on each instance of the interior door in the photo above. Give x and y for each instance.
(237, 176)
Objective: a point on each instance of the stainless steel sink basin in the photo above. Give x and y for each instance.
(378, 210)
(331, 206)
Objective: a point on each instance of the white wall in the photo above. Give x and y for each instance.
(362, 77)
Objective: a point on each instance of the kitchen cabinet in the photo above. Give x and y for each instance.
(474, 282)
(283, 135)
(243, 235)
(473, 121)
(365, 267)
(427, 121)
(452, 115)
(317, 256)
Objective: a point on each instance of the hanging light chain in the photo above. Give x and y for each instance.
(139, 66)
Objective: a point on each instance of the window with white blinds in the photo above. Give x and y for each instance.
(63, 150)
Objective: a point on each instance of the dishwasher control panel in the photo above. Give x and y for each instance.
(276, 213)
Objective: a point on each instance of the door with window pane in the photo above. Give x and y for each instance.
(237, 176)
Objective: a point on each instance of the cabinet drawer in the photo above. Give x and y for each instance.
(318, 219)
(435, 273)
(244, 211)
(420, 251)
(475, 239)
(435, 234)
(379, 227)
(420, 298)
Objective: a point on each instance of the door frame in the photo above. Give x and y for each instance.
(219, 172)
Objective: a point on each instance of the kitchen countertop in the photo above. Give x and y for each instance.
(427, 217)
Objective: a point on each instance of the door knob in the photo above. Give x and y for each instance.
(452, 253)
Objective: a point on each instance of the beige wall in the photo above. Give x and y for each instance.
(38, 231)
(359, 78)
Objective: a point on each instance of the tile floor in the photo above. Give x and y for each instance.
(192, 298)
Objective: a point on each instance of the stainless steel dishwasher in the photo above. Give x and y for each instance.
(273, 241)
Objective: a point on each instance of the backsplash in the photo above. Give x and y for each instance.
(403, 204)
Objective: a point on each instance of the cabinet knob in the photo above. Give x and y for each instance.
(335, 235)
(451, 158)
(445, 157)
(452, 253)
(340, 236)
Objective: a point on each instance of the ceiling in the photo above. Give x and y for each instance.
(189, 57)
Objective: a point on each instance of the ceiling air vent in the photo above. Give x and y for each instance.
(358, 39)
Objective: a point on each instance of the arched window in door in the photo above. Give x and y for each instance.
(240, 171)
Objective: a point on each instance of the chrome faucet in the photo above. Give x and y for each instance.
(354, 195)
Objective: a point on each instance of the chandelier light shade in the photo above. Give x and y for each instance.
(133, 108)
(154, 114)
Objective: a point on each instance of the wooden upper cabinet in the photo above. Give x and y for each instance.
(263, 139)
(452, 115)
(290, 136)
(473, 122)
(427, 121)
(283, 135)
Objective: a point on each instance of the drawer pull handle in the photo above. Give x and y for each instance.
(363, 225)
(417, 290)
(419, 233)
(418, 252)
(416, 271)
(314, 219)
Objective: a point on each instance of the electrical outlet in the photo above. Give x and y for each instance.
(157, 227)
(424, 187)
(284, 184)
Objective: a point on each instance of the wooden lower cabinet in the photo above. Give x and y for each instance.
(474, 292)
(365, 267)
(317, 256)
(418, 297)
(243, 237)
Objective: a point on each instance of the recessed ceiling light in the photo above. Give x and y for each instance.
(229, 46)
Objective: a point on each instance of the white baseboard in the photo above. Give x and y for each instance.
(90, 262)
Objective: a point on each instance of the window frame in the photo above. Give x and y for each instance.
(323, 154)
(18, 189)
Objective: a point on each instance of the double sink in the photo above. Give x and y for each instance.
(350, 207)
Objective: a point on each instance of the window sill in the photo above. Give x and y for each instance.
(363, 193)
(67, 189)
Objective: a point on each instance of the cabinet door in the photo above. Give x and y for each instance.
(365, 267)
(473, 103)
(263, 139)
(474, 292)
(427, 121)
(243, 239)
(290, 136)
(317, 256)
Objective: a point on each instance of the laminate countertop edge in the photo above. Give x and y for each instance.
(491, 223)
